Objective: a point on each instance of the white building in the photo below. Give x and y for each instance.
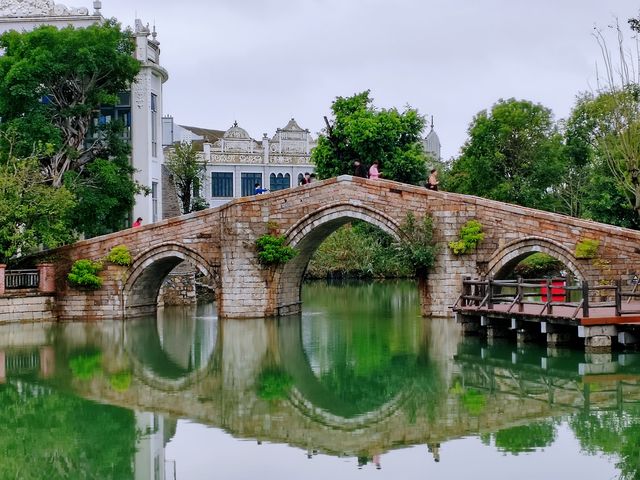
(236, 162)
(140, 109)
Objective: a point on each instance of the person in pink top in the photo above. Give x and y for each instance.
(373, 171)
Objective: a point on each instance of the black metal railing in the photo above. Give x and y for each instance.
(15, 279)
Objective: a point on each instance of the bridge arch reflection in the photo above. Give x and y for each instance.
(174, 351)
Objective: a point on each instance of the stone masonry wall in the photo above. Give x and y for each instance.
(27, 307)
(221, 242)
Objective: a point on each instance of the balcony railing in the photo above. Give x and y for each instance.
(15, 279)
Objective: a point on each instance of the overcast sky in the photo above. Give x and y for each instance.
(261, 62)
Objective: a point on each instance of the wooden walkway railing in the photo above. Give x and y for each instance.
(547, 293)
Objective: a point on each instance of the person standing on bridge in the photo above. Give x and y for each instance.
(359, 170)
(374, 173)
(137, 223)
(432, 183)
(258, 189)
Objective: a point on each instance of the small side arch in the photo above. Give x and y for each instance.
(148, 271)
(512, 253)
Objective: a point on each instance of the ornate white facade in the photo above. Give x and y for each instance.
(25, 15)
(140, 109)
(236, 162)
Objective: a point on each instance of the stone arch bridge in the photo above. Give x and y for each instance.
(220, 243)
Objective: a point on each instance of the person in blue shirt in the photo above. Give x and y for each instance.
(258, 190)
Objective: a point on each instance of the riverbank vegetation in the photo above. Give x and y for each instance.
(361, 250)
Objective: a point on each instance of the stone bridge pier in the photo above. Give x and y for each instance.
(220, 243)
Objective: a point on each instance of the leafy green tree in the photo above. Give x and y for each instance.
(188, 172)
(617, 129)
(589, 189)
(514, 154)
(105, 188)
(358, 250)
(53, 80)
(32, 213)
(364, 133)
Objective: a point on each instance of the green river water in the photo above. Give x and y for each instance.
(358, 386)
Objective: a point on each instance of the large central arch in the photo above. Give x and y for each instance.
(148, 271)
(307, 235)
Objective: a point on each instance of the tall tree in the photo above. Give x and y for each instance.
(589, 186)
(514, 154)
(617, 131)
(105, 188)
(52, 81)
(188, 173)
(361, 132)
(32, 213)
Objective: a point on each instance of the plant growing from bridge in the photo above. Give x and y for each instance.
(120, 255)
(84, 274)
(587, 248)
(470, 236)
(273, 251)
(417, 248)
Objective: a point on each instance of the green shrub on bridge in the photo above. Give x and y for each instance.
(120, 255)
(417, 249)
(470, 236)
(273, 251)
(587, 248)
(84, 274)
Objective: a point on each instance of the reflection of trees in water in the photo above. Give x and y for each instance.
(47, 434)
(608, 415)
(610, 433)
(526, 438)
(367, 344)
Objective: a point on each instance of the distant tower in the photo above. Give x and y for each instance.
(431, 143)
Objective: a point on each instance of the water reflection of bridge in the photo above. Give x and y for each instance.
(215, 374)
(558, 380)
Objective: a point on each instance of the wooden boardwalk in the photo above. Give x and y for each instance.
(597, 311)
(560, 314)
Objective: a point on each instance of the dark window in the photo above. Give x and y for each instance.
(154, 200)
(222, 184)
(248, 181)
(154, 125)
(279, 182)
(124, 98)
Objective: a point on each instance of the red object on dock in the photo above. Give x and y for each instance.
(557, 291)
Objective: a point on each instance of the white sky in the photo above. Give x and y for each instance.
(261, 62)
